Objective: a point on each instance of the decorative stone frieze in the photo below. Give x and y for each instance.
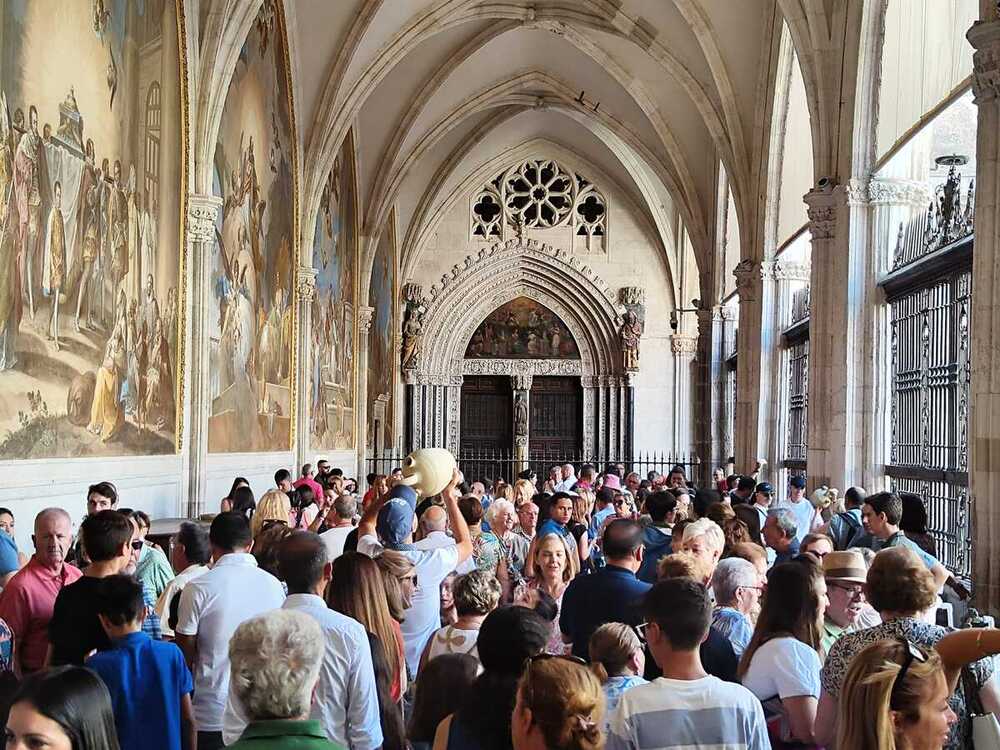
(898, 192)
(521, 381)
(984, 36)
(202, 212)
(683, 345)
(748, 275)
(822, 211)
(523, 368)
(365, 316)
(789, 271)
(305, 284)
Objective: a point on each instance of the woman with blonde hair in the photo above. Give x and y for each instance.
(896, 694)
(560, 706)
(617, 660)
(356, 591)
(399, 577)
(524, 490)
(551, 567)
(275, 507)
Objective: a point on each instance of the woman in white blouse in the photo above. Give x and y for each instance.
(781, 664)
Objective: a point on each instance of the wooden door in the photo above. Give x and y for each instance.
(556, 419)
(486, 414)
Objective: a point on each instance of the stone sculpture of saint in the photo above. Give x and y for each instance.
(631, 331)
(413, 335)
(520, 416)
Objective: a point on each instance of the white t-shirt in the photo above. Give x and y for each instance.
(805, 515)
(212, 607)
(783, 668)
(705, 713)
(334, 540)
(424, 615)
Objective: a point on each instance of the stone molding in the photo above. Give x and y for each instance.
(507, 270)
(748, 275)
(898, 192)
(521, 381)
(632, 295)
(984, 36)
(789, 271)
(822, 211)
(202, 212)
(681, 344)
(365, 316)
(521, 368)
(305, 284)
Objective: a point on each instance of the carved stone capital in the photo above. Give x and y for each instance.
(683, 345)
(521, 381)
(202, 211)
(632, 295)
(984, 36)
(789, 271)
(886, 192)
(413, 293)
(365, 316)
(748, 274)
(305, 284)
(822, 211)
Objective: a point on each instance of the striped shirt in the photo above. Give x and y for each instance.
(708, 714)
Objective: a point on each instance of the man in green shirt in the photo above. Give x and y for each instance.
(275, 660)
(845, 574)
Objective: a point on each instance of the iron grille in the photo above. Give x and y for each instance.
(798, 401)
(930, 398)
(800, 304)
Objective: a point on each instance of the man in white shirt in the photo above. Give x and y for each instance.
(189, 557)
(212, 607)
(345, 701)
(341, 522)
(686, 707)
(807, 518)
(433, 527)
(388, 523)
(568, 479)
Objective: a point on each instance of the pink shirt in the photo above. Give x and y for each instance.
(317, 490)
(26, 606)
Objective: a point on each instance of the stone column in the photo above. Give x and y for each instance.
(683, 347)
(202, 211)
(305, 284)
(709, 396)
(841, 290)
(754, 344)
(590, 421)
(521, 410)
(984, 412)
(365, 316)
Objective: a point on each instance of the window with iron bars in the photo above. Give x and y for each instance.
(798, 404)
(930, 304)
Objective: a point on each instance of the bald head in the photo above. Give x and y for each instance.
(53, 536)
(433, 519)
(302, 562)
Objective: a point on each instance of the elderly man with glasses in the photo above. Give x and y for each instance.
(737, 589)
(845, 574)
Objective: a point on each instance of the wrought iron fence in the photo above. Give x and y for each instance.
(800, 305)
(798, 401)
(488, 465)
(948, 218)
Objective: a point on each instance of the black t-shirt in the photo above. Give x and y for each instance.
(74, 630)
(717, 658)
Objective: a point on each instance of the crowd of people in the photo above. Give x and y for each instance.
(595, 608)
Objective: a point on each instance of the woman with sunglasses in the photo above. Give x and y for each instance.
(560, 706)
(902, 590)
(911, 688)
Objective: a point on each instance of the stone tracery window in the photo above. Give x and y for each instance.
(538, 195)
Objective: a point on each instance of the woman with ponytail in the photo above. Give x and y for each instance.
(560, 706)
(618, 661)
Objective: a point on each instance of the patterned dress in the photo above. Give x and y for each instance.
(918, 632)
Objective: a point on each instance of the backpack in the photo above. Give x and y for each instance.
(847, 531)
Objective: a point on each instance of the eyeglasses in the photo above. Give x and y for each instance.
(272, 522)
(853, 592)
(640, 630)
(758, 589)
(912, 652)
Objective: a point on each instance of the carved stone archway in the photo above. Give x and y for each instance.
(480, 285)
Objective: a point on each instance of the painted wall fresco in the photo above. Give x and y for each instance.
(522, 329)
(332, 365)
(252, 319)
(382, 342)
(91, 176)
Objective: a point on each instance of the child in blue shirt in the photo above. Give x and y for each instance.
(149, 683)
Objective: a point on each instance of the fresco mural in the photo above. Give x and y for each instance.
(381, 341)
(91, 176)
(252, 318)
(331, 371)
(522, 329)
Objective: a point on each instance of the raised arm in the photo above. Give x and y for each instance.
(459, 528)
(963, 647)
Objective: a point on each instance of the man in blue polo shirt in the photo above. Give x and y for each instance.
(149, 683)
(612, 594)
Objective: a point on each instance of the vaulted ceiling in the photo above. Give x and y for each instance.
(440, 89)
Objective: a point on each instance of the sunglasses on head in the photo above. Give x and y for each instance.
(911, 653)
(544, 657)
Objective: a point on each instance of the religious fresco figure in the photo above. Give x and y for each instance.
(522, 328)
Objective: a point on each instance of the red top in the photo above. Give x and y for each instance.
(26, 606)
(317, 490)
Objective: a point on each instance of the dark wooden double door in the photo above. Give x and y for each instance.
(555, 421)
